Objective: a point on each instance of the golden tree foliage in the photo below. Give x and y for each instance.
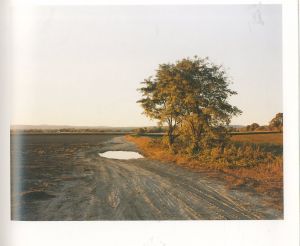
(191, 97)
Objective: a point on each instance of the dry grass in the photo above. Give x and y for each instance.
(273, 138)
(245, 167)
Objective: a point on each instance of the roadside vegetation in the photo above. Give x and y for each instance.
(250, 165)
(190, 100)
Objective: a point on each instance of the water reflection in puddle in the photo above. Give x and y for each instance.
(122, 155)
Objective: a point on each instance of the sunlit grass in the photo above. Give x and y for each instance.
(273, 138)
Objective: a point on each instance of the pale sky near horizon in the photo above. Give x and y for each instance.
(82, 65)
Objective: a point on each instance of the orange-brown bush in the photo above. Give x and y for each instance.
(250, 165)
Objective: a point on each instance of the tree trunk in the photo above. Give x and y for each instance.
(171, 140)
(170, 137)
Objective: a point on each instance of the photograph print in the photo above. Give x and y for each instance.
(147, 113)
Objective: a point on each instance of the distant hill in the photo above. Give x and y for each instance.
(68, 128)
(42, 127)
(58, 127)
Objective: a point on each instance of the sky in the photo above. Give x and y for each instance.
(82, 65)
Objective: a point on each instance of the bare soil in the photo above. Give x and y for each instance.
(56, 177)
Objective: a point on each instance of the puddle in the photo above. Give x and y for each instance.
(122, 155)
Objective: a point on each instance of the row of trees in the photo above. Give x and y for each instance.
(276, 124)
(153, 129)
(191, 98)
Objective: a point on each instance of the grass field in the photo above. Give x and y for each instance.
(274, 138)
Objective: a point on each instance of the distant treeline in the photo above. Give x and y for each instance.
(249, 129)
(74, 130)
(275, 125)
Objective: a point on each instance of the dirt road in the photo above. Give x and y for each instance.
(98, 188)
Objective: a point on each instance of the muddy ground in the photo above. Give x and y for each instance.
(62, 177)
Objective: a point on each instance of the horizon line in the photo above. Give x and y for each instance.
(92, 126)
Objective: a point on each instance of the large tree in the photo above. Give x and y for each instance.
(191, 96)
